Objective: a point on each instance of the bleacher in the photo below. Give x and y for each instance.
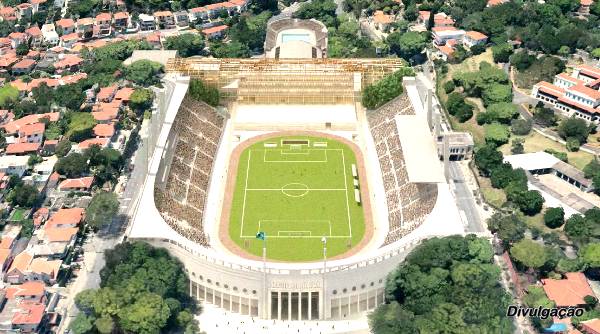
(408, 203)
(198, 128)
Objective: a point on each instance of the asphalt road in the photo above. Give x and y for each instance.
(465, 200)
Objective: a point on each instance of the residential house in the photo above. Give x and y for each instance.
(104, 130)
(28, 317)
(124, 95)
(146, 22)
(53, 243)
(121, 20)
(40, 216)
(35, 36)
(241, 5)
(38, 5)
(591, 326)
(103, 22)
(584, 7)
(22, 148)
(199, 14)
(443, 34)
(568, 292)
(577, 94)
(472, 38)
(105, 112)
(6, 46)
(13, 127)
(65, 26)
(106, 94)
(165, 19)
(439, 19)
(492, 3)
(70, 63)
(182, 18)
(32, 133)
(13, 165)
(215, 32)
(67, 41)
(84, 145)
(50, 35)
(31, 291)
(25, 66)
(24, 11)
(17, 272)
(154, 40)
(8, 14)
(18, 38)
(79, 184)
(48, 147)
(85, 27)
(382, 21)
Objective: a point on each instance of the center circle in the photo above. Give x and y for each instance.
(295, 189)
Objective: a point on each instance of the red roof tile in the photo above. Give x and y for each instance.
(21, 148)
(69, 217)
(29, 314)
(104, 130)
(569, 291)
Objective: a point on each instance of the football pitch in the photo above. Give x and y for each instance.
(296, 190)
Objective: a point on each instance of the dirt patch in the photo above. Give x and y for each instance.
(234, 160)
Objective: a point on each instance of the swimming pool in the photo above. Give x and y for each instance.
(287, 37)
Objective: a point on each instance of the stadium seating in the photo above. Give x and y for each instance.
(408, 203)
(198, 129)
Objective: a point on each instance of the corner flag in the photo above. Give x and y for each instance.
(261, 235)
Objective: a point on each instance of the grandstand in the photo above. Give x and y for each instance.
(181, 200)
(408, 203)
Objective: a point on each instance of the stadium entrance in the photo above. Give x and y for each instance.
(288, 305)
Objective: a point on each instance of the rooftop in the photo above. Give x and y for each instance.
(569, 291)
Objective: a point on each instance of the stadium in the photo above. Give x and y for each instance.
(293, 202)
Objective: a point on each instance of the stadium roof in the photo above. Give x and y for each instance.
(420, 151)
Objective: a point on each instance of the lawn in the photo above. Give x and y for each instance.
(296, 190)
(493, 196)
(80, 122)
(536, 142)
(18, 214)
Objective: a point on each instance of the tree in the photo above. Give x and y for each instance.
(34, 159)
(529, 253)
(554, 217)
(502, 175)
(187, 45)
(82, 324)
(141, 99)
(105, 325)
(102, 209)
(530, 202)
(233, 49)
(496, 93)
(408, 44)
(22, 49)
(496, 134)
(509, 228)
(521, 60)
(73, 165)
(574, 128)
(148, 314)
(62, 148)
(23, 195)
(590, 255)
(449, 86)
(544, 116)
(503, 112)
(143, 72)
(487, 158)
(200, 91)
(517, 146)
(384, 90)
(578, 228)
(501, 53)
(520, 127)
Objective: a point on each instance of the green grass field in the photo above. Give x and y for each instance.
(296, 193)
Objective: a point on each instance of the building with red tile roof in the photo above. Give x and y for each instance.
(106, 94)
(8, 13)
(67, 26)
(23, 67)
(569, 291)
(68, 217)
(84, 145)
(124, 94)
(22, 148)
(79, 184)
(104, 130)
(215, 32)
(67, 41)
(41, 216)
(18, 268)
(121, 20)
(14, 126)
(29, 291)
(32, 133)
(28, 317)
(69, 63)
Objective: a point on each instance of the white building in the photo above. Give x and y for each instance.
(13, 164)
(50, 34)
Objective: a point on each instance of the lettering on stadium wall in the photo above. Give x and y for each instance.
(295, 285)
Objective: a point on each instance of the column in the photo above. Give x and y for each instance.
(289, 305)
(279, 305)
(240, 304)
(300, 305)
(309, 305)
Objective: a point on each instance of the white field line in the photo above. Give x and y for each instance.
(346, 185)
(245, 192)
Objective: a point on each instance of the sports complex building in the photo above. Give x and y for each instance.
(340, 194)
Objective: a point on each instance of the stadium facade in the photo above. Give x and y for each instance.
(182, 200)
